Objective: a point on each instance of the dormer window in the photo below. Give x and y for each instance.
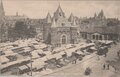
(60, 14)
(63, 24)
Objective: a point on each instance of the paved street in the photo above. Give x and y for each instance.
(92, 62)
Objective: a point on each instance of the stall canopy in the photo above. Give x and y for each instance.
(8, 52)
(39, 51)
(23, 67)
(93, 48)
(35, 54)
(27, 49)
(57, 56)
(3, 59)
(80, 53)
(14, 62)
(38, 64)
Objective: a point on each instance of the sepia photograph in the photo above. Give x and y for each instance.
(60, 38)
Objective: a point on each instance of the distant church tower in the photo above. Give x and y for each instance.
(3, 27)
(2, 12)
(101, 15)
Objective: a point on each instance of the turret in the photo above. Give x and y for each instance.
(74, 22)
(71, 18)
(48, 18)
(95, 15)
(101, 15)
(17, 14)
(53, 23)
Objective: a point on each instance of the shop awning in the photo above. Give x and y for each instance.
(93, 48)
(14, 62)
(35, 54)
(80, 53)
(38, 63)
(3, 59)
(23, 67)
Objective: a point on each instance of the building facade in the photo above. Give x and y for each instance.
(62, 30)
(59, 29)
(100, 28)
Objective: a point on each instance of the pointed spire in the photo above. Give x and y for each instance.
(74, 21)
(71, 18)
(2, 13)
(48, 18)
(53, 23)
(59, 9)
(95, 15)
(16, 13)
(59, 13)
(1, 3)
(101, 15)
(1, 6)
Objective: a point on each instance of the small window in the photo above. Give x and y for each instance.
(93, 36)
(63, 24)
(60, 14)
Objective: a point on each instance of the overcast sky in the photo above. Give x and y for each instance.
(40, 8)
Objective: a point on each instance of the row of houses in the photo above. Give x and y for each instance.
(100, 28)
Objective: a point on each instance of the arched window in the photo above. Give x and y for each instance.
(60, 14)
(64, 39)
(100, 37)
(93, 37)
(97, 37)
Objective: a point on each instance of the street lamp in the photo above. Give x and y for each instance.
(31, 63)
(32, 49)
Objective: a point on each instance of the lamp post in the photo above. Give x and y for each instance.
(31, 63)
(31, 59)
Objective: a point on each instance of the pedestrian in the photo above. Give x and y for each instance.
(104, 66)
(118, 53)
(75, 61)
(105, 54)
(27, 73)
(88, 71)
(44, 68)
(114, 68)
(108, 66)
(98, 58)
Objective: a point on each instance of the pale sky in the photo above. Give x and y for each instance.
(40, 8)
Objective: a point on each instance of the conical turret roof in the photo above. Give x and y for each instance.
(53, 23)
(48, 18)
(71, 18)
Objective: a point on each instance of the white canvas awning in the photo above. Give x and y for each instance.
(8, 52)
(108, 42)
(38, 63)
(93, 48)
(35, 54)
(39, 51)
(23, 67)
(50, 56)
(68, 46)
(14, 62)
(58, 56)
(3, 59)
(27, 49)
(80, 53)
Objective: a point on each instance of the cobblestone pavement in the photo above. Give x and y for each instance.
(92, 61)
